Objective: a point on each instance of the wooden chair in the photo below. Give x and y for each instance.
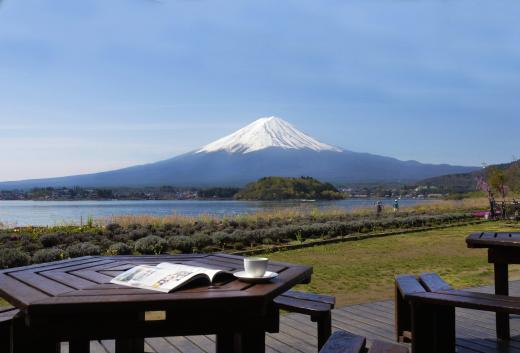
(318, 307)
(7, 315)
(425, 311)
(344, 342)
(405, 285)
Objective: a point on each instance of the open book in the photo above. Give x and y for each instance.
(164, 277)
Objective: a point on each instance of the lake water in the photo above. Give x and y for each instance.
(59, 212)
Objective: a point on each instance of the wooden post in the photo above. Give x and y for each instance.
(5, 337)
(24, 341)
(402, 316)
(130, 345)
(433, 328)
(502, 288)
(445, 329)
(134, 344)
(225, 343)
(79, 346)
(252, 342)
(324, 323)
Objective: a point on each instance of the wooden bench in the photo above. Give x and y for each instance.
(344, 342)
(425, 311)
(7, 315)
(319, 307)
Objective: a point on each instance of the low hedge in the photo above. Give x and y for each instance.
(49, 255)
(83, 249)
(25, 245)
(13, 258)
(151, 245)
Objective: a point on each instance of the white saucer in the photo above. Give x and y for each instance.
(242, 275)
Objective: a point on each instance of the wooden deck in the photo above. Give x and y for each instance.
(475, 331)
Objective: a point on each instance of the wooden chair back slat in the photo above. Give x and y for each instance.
(434, 283)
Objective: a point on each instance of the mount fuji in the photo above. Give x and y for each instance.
(267, 147)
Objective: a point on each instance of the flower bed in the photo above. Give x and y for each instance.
(26, 245)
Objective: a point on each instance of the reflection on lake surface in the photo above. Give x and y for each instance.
(58, 212)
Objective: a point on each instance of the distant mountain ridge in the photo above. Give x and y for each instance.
(467, 182)
(267, 147)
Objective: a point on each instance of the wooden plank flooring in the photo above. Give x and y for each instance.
(475, 331)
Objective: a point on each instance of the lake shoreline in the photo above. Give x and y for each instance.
(48, 213)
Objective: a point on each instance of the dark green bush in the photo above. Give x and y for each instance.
(4, 238)
(212, 234)
(221, 239)
(49, 255)
(119, 249)
(49, 240)
(83, 249)
(31, 247)
(151, 245)
(27, 238)
(13, 258)
(134, 226)
(104, 244)
(113, 227)
(138, 234)
(166, 227)
(182, 243)
(201, 240)
(79, 237)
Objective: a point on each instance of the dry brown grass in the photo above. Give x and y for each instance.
(434, 207)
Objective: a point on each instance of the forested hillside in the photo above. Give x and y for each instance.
(279, 188)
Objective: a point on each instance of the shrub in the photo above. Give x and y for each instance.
(267, 241)
(49, 240)
(119, 249)
(31, 247)
(4, 238)
(181, 243)
(79, 237)
(13, 258)
(65, 238)
(49, 255)
(90, 222)
(151, 245)
(27, 238)
(104, 243)
(201, 240)
(113, 227)
(221, 239)
(133, 226)
(253, 237)
(83, 249)
(166, 227)
(137, 234)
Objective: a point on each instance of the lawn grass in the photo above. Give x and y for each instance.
(363, 271)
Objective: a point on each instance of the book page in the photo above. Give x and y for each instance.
(210, 272)
(155, 278)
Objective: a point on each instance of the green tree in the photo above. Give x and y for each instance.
(497, 181)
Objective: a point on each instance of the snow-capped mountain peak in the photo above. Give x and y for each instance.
(266, 133)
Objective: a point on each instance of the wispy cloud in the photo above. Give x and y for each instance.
(121, 126)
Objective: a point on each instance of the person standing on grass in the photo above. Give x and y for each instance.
(379, 208)
(396, 206)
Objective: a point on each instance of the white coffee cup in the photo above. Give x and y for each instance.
(255, 266)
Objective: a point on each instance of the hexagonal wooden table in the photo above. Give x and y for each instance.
(73, 300)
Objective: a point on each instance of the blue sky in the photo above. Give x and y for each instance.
(93, 85)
